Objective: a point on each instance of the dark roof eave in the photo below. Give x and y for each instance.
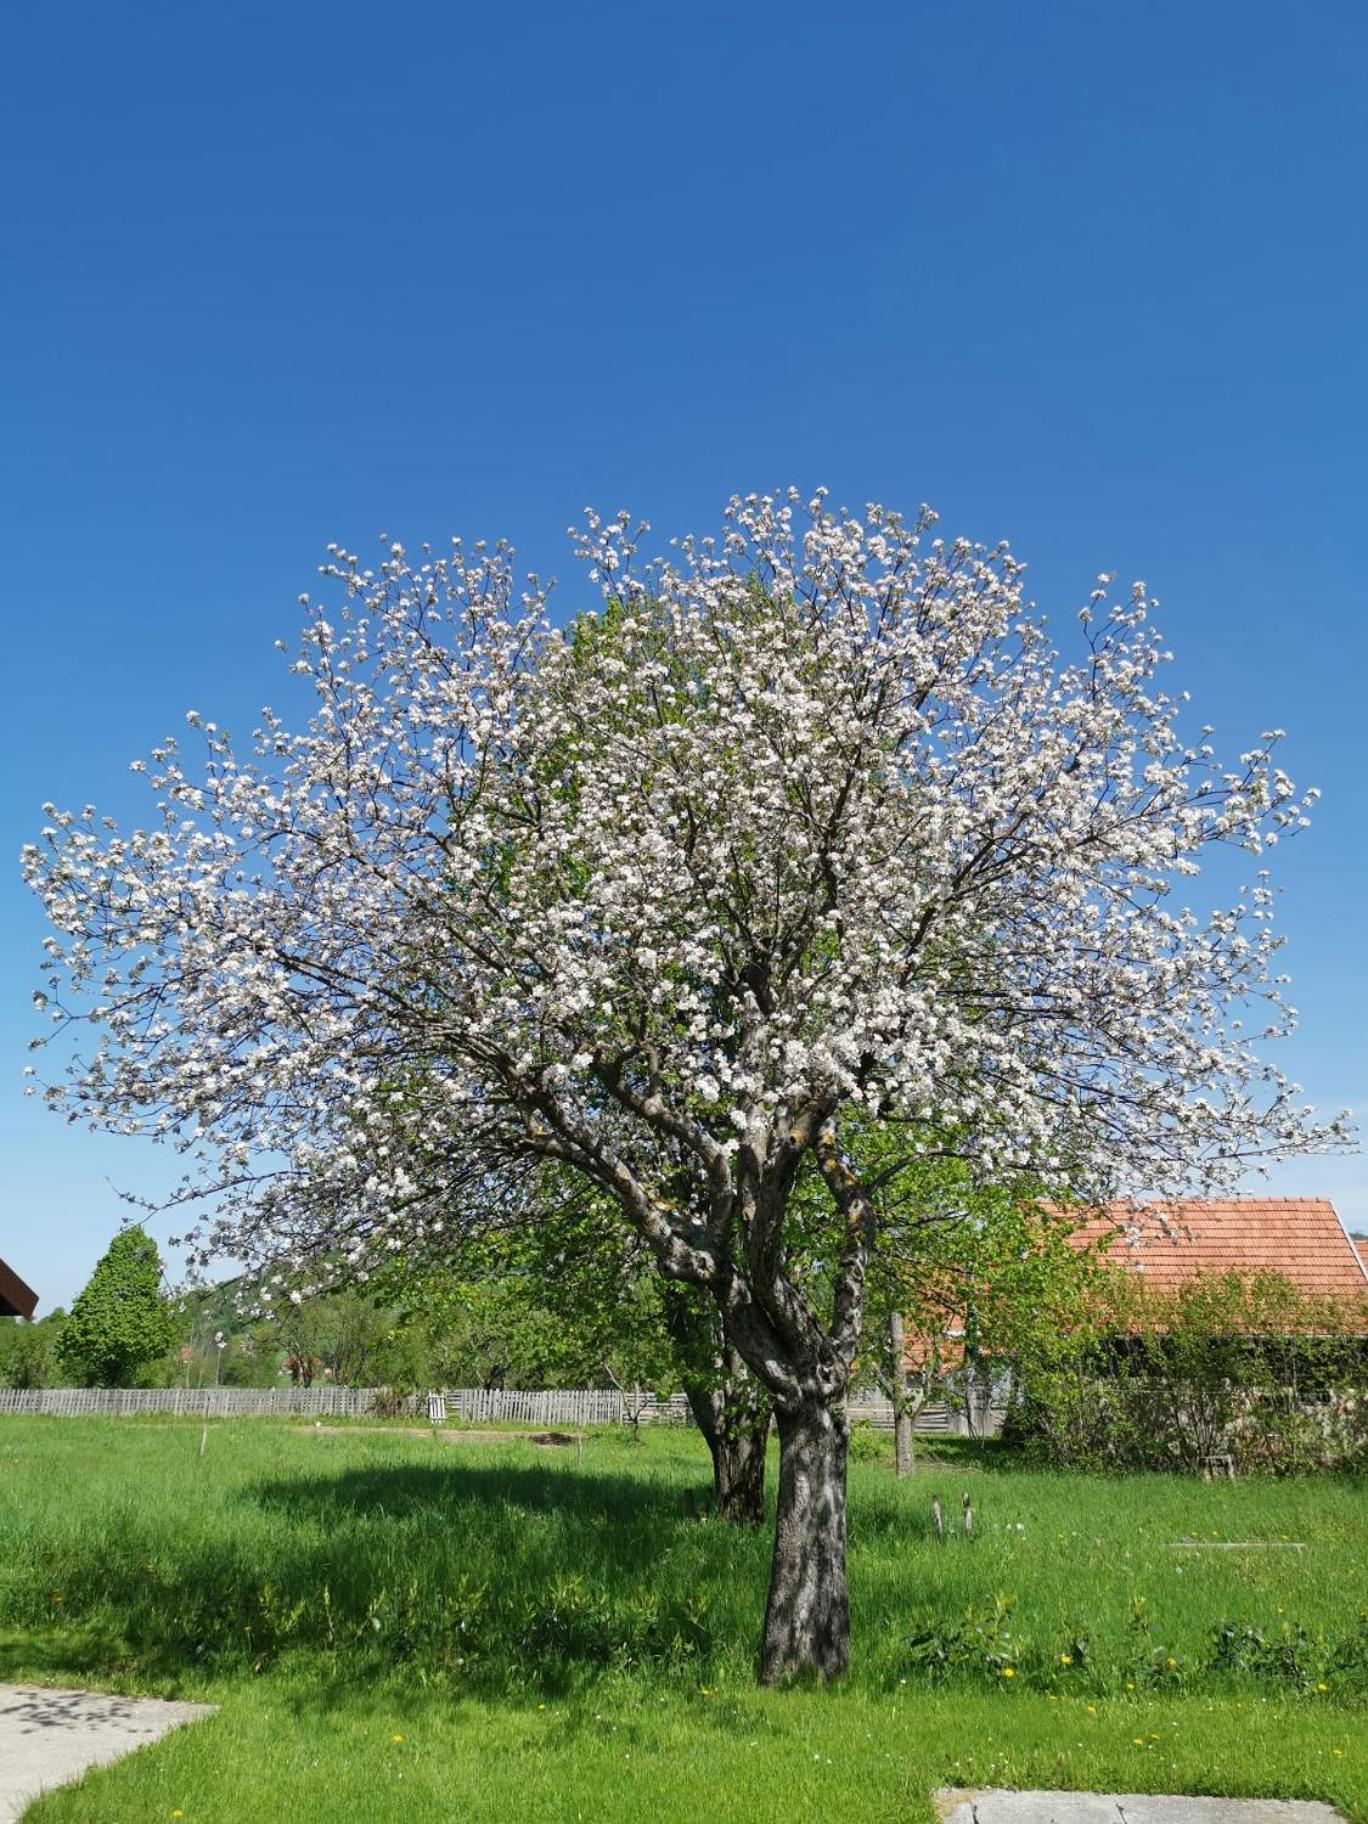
(16, 1299)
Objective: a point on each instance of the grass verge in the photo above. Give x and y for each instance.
(518, 1633)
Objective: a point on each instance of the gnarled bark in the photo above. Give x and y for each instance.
(807, 1619)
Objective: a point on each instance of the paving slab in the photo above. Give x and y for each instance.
(997, 1805)
(48, 1737)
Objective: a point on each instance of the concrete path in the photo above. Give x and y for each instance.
(49, 1737)
(994, 1805)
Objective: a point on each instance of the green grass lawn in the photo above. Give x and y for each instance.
(395, 1629)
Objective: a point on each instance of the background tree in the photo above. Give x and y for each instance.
(573, 1299)
(28, 1350)
(121, 1322)
(857, 847)
(637, 1329)
(968, 1282)
(346, 1333)
(728, 1402)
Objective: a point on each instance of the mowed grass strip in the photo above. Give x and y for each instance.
(571, 1635)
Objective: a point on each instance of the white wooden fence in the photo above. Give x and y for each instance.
(557, 1406)
(876, 1409)
(561, 1406)
(198, 1402)
(475, 1405)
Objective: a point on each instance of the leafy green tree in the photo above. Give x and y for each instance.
(481, 1324)
(346, 1333)
(572, 1300)
(121, 1322)
(28, 1351)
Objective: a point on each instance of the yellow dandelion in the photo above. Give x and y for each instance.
(177, 1814)
(1091, 1709)
(1130, 1684)
(1009, 1672)
(1066, 1659)
(1337, 1751)
(1153, 1737)
(396, 1738)
(1322, 1687)
(1138, 1741)
(1170, 1662)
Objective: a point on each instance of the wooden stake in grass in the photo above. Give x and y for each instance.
(968, 1516)
(937, 1522)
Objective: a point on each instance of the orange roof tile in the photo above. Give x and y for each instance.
(1170, 1242)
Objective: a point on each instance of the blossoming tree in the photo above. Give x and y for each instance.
(819, 834)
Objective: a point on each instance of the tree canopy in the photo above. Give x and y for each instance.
(120, 1322)
(821, 835)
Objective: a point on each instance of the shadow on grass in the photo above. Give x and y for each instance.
(484, 1579)
(409, 1489)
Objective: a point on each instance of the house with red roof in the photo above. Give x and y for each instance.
(1171, 1243)
(16, 1299)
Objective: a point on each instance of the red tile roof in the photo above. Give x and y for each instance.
(1301, 1238)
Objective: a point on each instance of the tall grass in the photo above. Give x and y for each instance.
(507, 1570)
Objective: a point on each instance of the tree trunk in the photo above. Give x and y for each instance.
(729, 1406)
(734, 1418)
(738, 1453)
(902, 1416)
(807, 1620)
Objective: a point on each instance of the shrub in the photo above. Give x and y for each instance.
(390, 1402)
(868, 1445)
(1229, 1365)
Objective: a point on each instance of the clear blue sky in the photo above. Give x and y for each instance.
(1088, 277)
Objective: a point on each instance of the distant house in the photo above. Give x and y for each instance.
(1172, 1243)
(16, 1299)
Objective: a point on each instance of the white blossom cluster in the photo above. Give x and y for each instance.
(809, 823)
